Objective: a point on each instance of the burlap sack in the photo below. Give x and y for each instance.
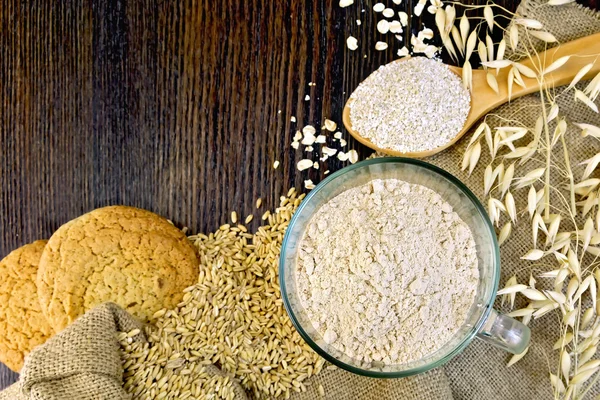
(83, 362)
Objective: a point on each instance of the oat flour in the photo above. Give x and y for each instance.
(387, 272)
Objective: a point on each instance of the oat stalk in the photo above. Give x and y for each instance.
(564, 213)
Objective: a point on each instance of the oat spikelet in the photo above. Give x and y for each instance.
(504, 233)
(492, 82)
(470, 45)
(514, 36)
(488, 13)
(556, 65)
(544, 36)
(514, 359)
(580, 74)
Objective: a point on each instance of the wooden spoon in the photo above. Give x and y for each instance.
(483, 99)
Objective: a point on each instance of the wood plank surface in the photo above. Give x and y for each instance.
(180, 107)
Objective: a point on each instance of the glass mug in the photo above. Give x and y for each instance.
(482, 321)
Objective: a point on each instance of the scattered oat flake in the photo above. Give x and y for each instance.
(383, 26)
(379, 7)
(295, 145)
(293, 119)
(309, 130)
(403, 18)
(324, 158)
(352, 43)
(309, 148)
(388, 13)
(308, 140)
(380, 46)
(330, 125)
(326, 172)
(316, 165)
(403, 52)
(395, 26)
(358, 22)
(337, 135)
(297, 136)
(418, 46)
(418, 10)
(307, 98)
(397, 1)
(343, 142)
(346, 3)
(320, 139)
(425, 34)
(276, 164)
(342, 156)
(352, 156)
(304, 164)
(430, 51)
(309, 184)
(328, 151)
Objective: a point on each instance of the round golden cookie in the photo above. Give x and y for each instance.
(22, 324)
(125, 255)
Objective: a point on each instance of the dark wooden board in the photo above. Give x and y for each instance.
(179, 107)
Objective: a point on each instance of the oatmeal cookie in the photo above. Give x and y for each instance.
(22, 324)
(121, 254)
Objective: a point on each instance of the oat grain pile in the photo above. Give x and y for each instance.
(387, 272)
(408, 106)
(233, 318)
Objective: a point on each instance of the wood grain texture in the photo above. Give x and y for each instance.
(179, 107)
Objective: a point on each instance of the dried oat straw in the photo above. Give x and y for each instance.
(387, 272)
(408, 106)
(233, 318)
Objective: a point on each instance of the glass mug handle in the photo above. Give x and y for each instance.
(505, 332)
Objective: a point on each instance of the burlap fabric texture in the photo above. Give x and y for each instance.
(82, 362)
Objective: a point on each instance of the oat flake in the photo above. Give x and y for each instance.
(395, 26)
(383, 26)
(387, 272)
(380, 46)
(379, 7)
(409, 106)
(388, 13)
(352, 43)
